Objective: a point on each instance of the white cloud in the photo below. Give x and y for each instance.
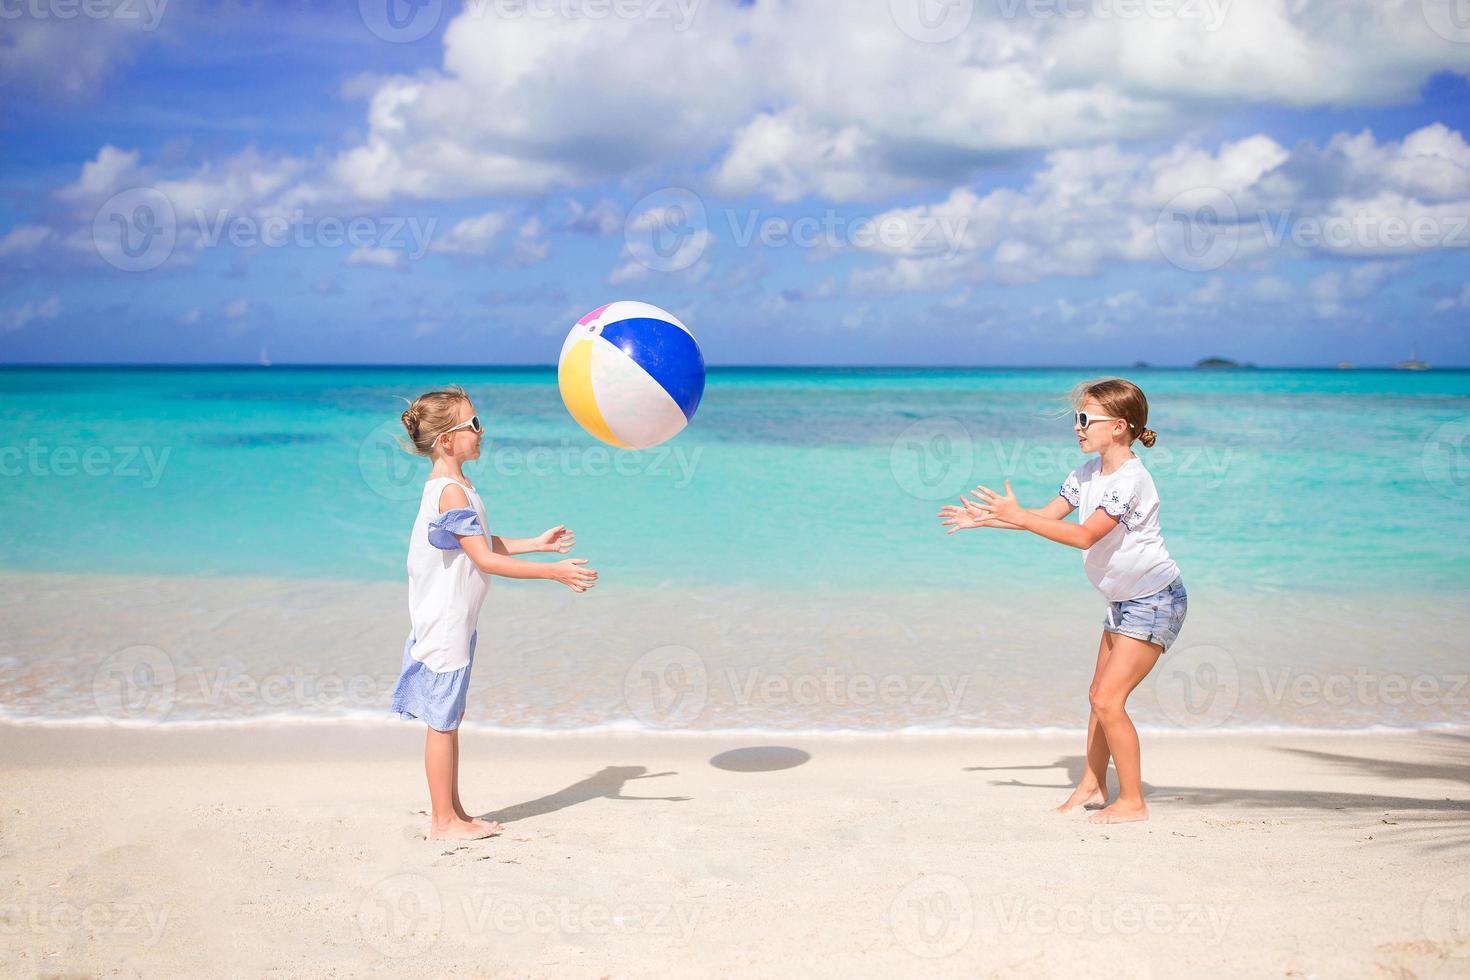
(1335, 293)
(23, 239)
(1213, 291)
(603, 217)
(1460, 302)
(1273, 289)
(202, 204)
(824, 98)
(48, 54)
(531, 245)
(237, 308)
(375, 257)
(20, 316)
(473, 236)
(1088, 209)
(1098, 317)
(788, 157)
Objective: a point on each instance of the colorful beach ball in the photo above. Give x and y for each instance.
(631, 374)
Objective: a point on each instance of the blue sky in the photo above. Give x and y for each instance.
(908, 181)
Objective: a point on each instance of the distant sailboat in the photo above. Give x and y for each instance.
(1413, 363)
(265, 358)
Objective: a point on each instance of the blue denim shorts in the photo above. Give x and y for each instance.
(1153, 618)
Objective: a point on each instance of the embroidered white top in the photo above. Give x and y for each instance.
(1130, 561)
(445, 587)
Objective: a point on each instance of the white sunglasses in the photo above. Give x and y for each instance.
(473, 422)
(1084, 419)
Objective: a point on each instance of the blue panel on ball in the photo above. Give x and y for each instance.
(666, 352)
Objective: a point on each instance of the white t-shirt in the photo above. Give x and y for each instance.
(1130, 560)
(445, 587)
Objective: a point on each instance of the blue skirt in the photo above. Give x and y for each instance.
(433, 698)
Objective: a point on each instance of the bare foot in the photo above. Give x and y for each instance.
(490, 825)
(459, 830)
(1090, 798)
(1120, 812)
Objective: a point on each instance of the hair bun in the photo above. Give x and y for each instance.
(1147, 437)
(411, 422)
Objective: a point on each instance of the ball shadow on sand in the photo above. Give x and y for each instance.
(760, 758)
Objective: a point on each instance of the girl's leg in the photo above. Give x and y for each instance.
(1092, 788)
(1127, 666)
(440, 753)
(459, 810)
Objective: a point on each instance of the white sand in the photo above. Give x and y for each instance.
(299, 851)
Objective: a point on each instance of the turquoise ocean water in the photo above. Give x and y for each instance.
(227, 546)
(1272, 480)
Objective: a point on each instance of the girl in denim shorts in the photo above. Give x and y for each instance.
(1124, 557)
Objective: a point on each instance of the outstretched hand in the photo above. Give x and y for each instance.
(557, 540)
(966, 514)
(1003, 508)
(573, 573)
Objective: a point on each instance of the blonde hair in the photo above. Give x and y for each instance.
(430, 415)
(1121, 398)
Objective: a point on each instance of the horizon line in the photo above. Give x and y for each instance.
(374, 365)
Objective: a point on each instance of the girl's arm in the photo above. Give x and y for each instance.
(971, 514)
(1009, 510)
(491, 561)
(558, 540)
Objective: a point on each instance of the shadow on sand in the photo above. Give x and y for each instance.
(1438, 822)
(606, 784)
